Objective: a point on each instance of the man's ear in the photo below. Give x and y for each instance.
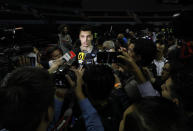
(176, 101)
(92, 36)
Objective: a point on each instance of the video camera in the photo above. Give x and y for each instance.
(59, 75)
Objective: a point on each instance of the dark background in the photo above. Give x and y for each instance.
(40, 18)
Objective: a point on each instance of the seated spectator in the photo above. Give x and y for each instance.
(27, 100)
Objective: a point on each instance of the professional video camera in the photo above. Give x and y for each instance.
(12, 47)
(59, 75)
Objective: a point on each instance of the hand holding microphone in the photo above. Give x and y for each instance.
(66, 58)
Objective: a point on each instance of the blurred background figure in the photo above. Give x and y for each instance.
(65, 40)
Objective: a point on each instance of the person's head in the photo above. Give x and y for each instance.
(153, 114)
(120, 36)
(99, 81)
(63, 29)
(179, 88)
(109, 46)
(161, 48)
(144, 51)
(54, 53)
(131, 46)
(86, 36)
(27, 100)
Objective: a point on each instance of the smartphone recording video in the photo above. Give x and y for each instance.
(108, 57)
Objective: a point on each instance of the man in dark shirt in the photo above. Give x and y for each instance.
(86, 53)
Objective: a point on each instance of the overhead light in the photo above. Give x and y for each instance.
(176, 15)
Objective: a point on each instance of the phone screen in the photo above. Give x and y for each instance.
(108, 57)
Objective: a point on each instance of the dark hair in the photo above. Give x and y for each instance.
(146, 49)
(86, 28)
(165, 43)
(182, 85)
(25, 97)
(50, 50)
(99, 81)
(61, 27)
(155, 114)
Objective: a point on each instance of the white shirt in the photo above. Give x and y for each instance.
(159, 65)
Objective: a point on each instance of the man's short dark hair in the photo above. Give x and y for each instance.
(182, 85)
(51, 49)
(25, 97)
(146, 49)
(86, 28)
(155, 114)
(99, 81)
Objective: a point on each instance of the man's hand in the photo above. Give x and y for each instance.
(131, 65)
(79, 83)
(126, 57)
(55, 65)
(117, 82)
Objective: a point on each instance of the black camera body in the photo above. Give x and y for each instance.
(60, 76)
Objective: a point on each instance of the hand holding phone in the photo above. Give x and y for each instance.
(108, 57)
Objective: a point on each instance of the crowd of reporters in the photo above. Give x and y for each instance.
(149, 87)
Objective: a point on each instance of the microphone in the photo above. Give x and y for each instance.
(81, 57)
(67, 57)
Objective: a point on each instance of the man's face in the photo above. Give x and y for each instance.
(56, 54)
(130, 50)
(166, 91)
(65, 30)
(85, 38)
(160, 47)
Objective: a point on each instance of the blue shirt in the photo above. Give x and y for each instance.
(91, 117)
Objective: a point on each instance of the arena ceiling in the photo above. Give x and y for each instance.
(90, 11)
